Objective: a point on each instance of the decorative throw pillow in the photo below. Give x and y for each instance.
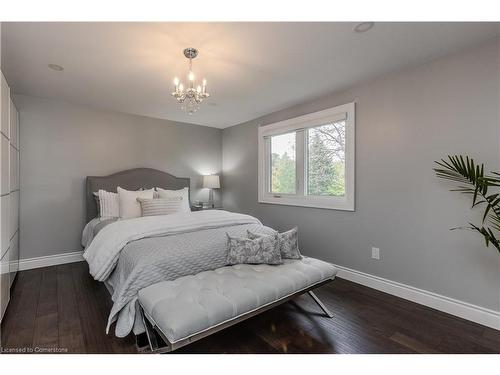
(183, 193)
(109, 207)
(262, 250)
(97, 203)
(129, 207)
(160, 206)
(288, 242)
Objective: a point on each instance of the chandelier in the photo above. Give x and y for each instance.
(190, 98)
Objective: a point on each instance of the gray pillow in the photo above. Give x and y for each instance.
(288, 243)
(262, 250)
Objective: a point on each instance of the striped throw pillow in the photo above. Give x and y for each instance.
(183, 193)
(160, 206)
(109, 205)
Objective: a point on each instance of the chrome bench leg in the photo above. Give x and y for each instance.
(320, 304)
(153, 343)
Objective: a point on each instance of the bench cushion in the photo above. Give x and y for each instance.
(192, 304)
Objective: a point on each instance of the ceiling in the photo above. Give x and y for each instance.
(252, 68)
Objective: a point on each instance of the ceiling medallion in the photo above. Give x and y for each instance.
(190, 98)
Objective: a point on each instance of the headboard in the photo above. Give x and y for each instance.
(131, 179)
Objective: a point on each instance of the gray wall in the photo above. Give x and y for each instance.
(405, 121)
(62, 143)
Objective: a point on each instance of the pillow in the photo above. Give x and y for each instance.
(184, 193)
(107, 203)
(97, 203)
(288, 243)
(129, 207)
(262, 250)
(160, 206)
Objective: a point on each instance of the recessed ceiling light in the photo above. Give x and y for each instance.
(363, 27)
(57, 68)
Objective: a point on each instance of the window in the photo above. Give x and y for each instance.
(309, 160)
(283, 164)
(326, 160)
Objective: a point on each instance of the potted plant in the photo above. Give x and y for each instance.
(473, 181)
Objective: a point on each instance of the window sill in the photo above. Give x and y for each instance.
(336, 205)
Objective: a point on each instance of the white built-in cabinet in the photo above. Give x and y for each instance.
(9, 194)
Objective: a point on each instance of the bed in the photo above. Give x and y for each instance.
(130, 255)
(168, 275)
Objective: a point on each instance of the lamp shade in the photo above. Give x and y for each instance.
(211, 181)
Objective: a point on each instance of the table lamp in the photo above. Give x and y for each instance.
(211, 182)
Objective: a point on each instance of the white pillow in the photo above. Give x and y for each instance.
(109, 206)
(183, 193)
(129, 207)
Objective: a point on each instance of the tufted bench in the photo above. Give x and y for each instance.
(192, 307)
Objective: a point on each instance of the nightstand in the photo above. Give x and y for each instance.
(200, 208)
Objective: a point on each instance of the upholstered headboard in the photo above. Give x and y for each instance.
(131, 179)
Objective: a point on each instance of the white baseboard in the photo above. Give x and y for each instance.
(465, 310)
(50, 260)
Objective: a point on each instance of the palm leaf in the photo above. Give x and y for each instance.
(493, 180)
(472, 181)
(495, 221)
(488, 235)
(458, 169)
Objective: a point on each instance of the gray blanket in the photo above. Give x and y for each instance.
(93, 227)
(150, 260)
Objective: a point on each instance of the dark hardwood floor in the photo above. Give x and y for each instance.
(63, 307)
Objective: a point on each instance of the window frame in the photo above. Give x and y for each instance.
(299, 125)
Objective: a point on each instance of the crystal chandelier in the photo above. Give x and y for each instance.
(190, 98)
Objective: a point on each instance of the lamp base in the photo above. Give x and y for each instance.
(211, 198)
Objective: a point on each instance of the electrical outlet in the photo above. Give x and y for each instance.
(375, 253)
